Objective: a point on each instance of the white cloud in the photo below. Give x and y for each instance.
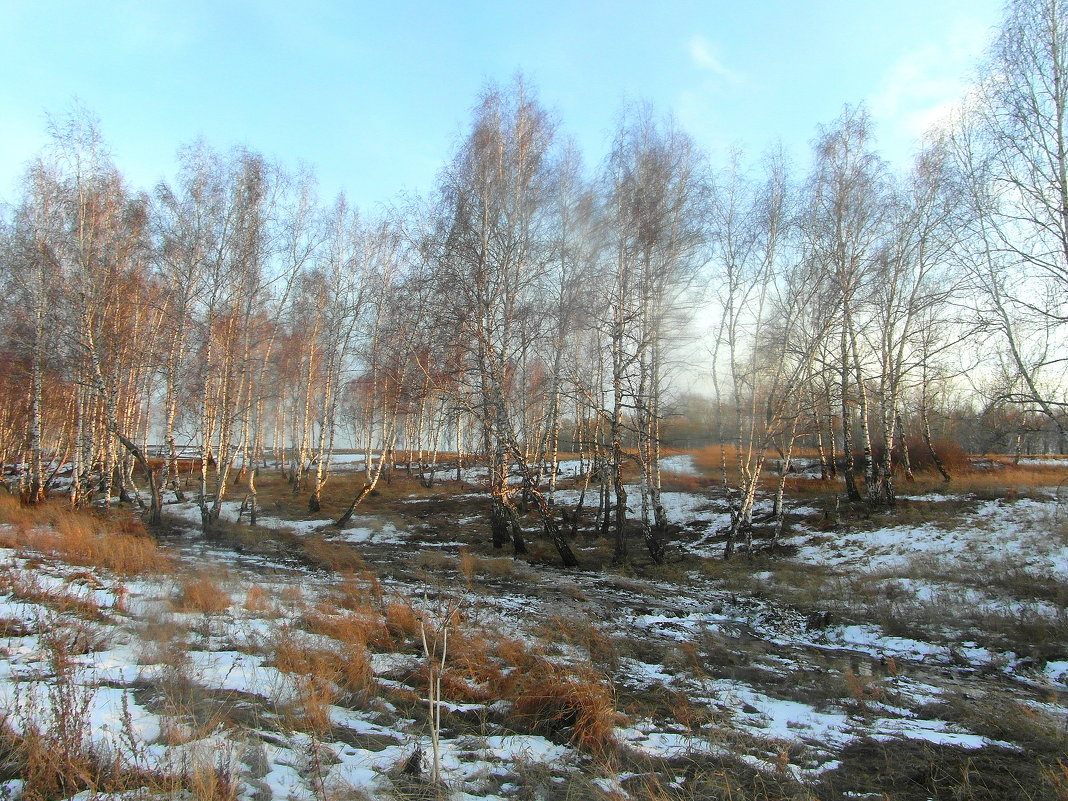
(926, 86)
(703, 55)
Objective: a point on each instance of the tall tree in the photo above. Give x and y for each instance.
(1012, 148)
(844, 226)
(656, 192)
(492, 251)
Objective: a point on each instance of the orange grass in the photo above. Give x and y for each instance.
(402, 621)
(257, 601)
(348, 669)
(1009, 477)
(113, 542)
(577, 703)
(337, 557)
(201, 594)
(353, 628)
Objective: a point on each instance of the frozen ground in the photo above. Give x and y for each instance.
(1023, 532)
(704, 662)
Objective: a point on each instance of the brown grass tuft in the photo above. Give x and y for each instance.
(325, 675)
(402, 621)
(257, 601)
(578, 704)
(201, 594)
(358, 593)
(292, 595)
(581, 633)
(352, 628)
(115, 541)
(338, 557)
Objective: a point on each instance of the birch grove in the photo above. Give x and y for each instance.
(533, 312)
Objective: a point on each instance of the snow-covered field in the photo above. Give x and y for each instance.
(1021, 532)
(702, 663)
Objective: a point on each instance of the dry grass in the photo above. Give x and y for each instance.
(684, 482)
(434, 563)
(1008, 478)
(573, 703)
(709, 459)
(276, 496)
(581, 633)
(365, 629)
(476, 671)
(1056, 776)
(337, 557)
(472, 564)
(577, 704)
(64, 600)
(911, 770)
(1001, 476)
(49, 744)
(468, 566)
(324, 677)
(862, 689)
(402, 621)
(357, 592)
(292, 595)
(115, 542)
(201, 593)
(257, 601)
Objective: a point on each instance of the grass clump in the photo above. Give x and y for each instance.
(580, 633)
(336, 557)
(575, 704)
(201, 594)
(113, 541)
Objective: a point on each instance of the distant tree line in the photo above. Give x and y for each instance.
(530, 303)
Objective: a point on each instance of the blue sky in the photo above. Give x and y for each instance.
(375, 95)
